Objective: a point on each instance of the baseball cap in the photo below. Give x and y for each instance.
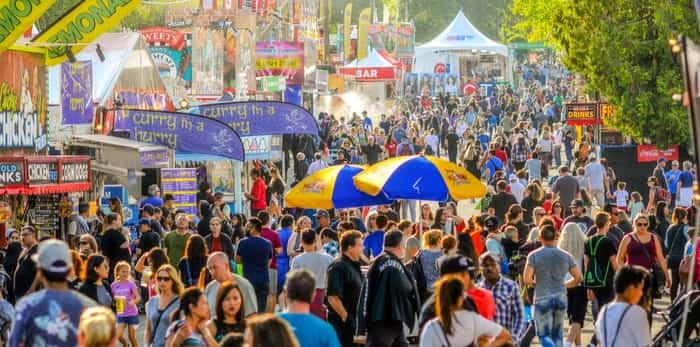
(491, 222)
(512, 177)
(577, 203)
(148, 208)
(455, 264)
(144, 221)
(322, 213)
(53, 256)
(662, 159)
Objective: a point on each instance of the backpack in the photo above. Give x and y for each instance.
(595, 276)
(416, 268)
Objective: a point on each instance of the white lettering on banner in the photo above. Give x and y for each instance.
(366, 73)
(74, 172)
(39, 172)
(19, 130)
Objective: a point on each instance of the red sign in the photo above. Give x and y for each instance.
(649, 153)
(169, 37)
(582, 114)
(440, 68)
(370, 73)
(469, 88)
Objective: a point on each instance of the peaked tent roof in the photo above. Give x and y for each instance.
(462, 35)
(373, 59)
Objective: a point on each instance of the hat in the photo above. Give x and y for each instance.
(491, 222)
(512, 177)
(148, 208)
(53, 256)
(456, 264)
(144, 221)
(322, 213)
(218, 195)
(577, 203)
(660, 160)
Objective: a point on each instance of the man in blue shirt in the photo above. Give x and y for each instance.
(255, 253)
(153, 197)
(309, 330)
(493, 164)
(374, 243)
(672, 180)
(52, 314)
(286, 223)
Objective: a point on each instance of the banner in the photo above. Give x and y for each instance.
(363, 33)
(405, 40)
(84, 23)
(245, 55)
(347, 29)
(17, 16)
(182, 131)
(255, 118)
(22, 103)
(182, 184)
(280, 59)
(581, 113)
(649, 153)
(171, 54)
(76, 93)
(154, 158)
(207, 62)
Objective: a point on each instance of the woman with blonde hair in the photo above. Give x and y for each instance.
(160, 307)
(270, 330)
(294, 242)
(573, 240)
(455, 326)
(428, 254)
(97, 328)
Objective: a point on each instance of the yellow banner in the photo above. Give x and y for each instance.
(292, 63)
(347, 29)
(82, 25)
(363, 33)
(16, 16)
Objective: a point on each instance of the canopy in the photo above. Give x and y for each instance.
(459, 36)
(372, 68)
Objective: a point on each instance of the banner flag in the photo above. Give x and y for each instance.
(80, 26)
(16, 16)
(255, 118)
(363, 33)
(183, 132)
(76, 93)
(347, 29)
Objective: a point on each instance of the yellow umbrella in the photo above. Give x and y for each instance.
(419, 177)
(331, 187)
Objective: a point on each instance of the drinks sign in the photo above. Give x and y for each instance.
(11, 172)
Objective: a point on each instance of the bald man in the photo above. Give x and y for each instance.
(220, 270)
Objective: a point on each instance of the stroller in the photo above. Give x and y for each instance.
(670, 333)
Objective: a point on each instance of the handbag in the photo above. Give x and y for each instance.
(658, 277)
(684, 269)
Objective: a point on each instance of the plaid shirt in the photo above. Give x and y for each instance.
(510, 312)
(519, 153)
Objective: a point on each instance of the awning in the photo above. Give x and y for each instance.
(48, 189)
(38, 175)
(372, 68)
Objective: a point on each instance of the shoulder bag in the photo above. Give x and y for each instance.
(617, 330)
(160, 316)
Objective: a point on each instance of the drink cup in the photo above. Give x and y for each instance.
(119, 303)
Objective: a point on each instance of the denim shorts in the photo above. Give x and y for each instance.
(130, 320)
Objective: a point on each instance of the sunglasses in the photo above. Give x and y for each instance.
(163, 279)
(642, 224)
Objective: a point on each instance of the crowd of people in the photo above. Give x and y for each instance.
(557, 230)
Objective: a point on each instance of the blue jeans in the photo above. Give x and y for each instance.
(549, 320)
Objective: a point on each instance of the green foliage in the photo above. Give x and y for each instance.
(621, 48)
(145, 16)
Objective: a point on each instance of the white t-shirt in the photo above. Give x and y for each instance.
(634, 328)
(315, 262)
(595, 172)
(621, 197)
(433, 141)
(467, 327)
(517, 189)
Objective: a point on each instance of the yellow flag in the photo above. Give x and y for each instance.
(330, 11)
(363, 33)
(347, 29)
(16, 16)
(82, 25)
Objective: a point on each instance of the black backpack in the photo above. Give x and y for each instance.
(416, 269)
(596, 275)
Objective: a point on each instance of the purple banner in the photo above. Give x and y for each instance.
(183, 132)
(155, 158)
(256, 118)
(182, 184)
(76, 93)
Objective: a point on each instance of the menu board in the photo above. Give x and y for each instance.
(182, 184)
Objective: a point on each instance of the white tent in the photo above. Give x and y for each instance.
(459, 38)
(374, 67)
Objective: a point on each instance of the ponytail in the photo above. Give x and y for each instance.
(449, 291)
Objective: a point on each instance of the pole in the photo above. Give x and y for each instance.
(689, 283)
(237, 191)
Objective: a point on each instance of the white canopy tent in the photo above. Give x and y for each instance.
(459, 39)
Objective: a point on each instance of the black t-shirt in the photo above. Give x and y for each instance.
(501, 202)
(149, 240)
(25, 273)
(344, 281)
(372, 152)
(112, 242)
(603, 248)
(452, 140)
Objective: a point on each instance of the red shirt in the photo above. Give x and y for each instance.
(274, 238)
(485, 305)
(501, 154)
(391, 148)
(215, 245)
(258, 192)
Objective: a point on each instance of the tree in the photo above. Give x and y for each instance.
(621, 48)
(145, 16)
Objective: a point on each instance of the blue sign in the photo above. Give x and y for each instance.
(255, 118)
(182, 184)
(183, 132)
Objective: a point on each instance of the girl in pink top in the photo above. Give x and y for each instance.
(126, 291)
